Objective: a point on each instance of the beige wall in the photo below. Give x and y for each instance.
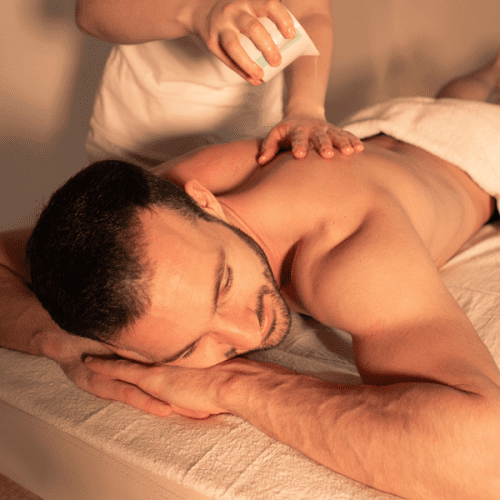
(389, 48)
(49, 72)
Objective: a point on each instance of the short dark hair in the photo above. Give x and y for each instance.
(86, 252)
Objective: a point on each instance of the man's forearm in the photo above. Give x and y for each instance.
(24, 324)
(419, 441)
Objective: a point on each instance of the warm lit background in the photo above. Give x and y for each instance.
(49, 72)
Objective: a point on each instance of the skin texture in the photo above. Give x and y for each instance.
(354, 242)
(218, 23)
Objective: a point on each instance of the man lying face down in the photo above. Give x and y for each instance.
(181, 282)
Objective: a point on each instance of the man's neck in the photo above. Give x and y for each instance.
(263, 240)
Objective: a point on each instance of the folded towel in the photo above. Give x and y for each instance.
(465, 133)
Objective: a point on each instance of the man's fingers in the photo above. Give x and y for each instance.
(155, 389)
(199, 415)
(120, 369)
(117, 390)
(135, 397)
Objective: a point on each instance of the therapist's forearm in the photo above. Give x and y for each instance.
(307, 78)
(415, 440)
(135, 21)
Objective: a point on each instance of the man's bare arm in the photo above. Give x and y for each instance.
(423, 430)
(23, 322)
(420, 441)
(218, 167)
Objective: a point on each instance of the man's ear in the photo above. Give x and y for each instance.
(204, 198)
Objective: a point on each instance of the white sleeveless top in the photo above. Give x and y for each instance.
(156, 99)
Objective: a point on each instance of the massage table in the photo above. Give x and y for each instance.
(64, 444)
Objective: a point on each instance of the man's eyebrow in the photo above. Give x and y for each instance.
(219, 274)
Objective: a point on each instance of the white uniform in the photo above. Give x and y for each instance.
(161, 99)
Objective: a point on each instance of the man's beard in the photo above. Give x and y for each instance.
(282, 320)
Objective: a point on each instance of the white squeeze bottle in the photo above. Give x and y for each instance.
(290, 48)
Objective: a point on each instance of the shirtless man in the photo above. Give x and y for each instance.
(354, 242)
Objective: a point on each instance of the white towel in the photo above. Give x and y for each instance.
(465, 133)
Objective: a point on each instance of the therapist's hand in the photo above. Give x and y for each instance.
(219, 22)
(301, 131)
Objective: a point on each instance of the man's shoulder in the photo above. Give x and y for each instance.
(219, 167)
(352, 274)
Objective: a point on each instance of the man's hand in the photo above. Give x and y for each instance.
(300, 131)
(188, 391)
(70, 352)
(192, 392)
(219, 24)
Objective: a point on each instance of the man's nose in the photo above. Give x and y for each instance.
(240, 329)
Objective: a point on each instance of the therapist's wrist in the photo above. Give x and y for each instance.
(304, 106)
(301, 112)
(196, 15)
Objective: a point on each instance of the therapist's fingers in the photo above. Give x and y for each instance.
(282, 18)
(344, 141)
(322, 143)
(232, 53)
(250, 26)
(229, 18)
(270, 146)
(255, 30)
(300, 142)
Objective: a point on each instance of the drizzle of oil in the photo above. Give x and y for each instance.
(316, 78)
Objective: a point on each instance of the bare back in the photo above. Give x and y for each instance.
(315, 195)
